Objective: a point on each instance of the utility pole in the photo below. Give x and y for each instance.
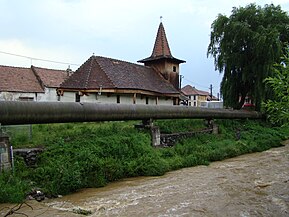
(211, 91)
(181, 77)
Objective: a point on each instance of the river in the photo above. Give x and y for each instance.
(249, 185)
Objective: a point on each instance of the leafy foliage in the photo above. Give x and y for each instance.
(93, 154)
(278, 109)
(245, 46)
(14, 187)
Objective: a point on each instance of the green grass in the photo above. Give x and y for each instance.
(93, 154)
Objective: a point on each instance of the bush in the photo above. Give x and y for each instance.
(94, 154)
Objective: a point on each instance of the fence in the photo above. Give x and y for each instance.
(17, 132)
(14, 132)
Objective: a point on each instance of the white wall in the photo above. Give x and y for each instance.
(50, 95)
(112, 98)
(212, 104)
(17, 96)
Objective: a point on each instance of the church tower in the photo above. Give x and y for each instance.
(162, 60)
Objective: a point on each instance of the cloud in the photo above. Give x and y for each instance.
(15, 53)
(71, 30)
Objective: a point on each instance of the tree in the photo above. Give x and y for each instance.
(245, 46)
(277, 110)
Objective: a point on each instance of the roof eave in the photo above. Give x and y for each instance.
(157, 58)
(122, 90)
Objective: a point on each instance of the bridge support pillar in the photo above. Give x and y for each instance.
(154, 130)
(215, 129)
(6, 155)
(211, 124)
(156, 136)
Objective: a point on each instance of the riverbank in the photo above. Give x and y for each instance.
(255, 184)
(91, 155)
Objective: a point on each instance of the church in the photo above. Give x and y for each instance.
(106, 80)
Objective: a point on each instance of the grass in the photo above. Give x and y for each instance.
(93, 154)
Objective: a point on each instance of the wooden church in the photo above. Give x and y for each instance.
(107, 80)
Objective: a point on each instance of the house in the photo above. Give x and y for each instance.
(194, 96)
(107, 80)
(200, 98)
(30, 84)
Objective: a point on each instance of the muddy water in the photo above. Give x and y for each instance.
(250, 185)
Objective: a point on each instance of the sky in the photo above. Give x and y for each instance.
(70, 31)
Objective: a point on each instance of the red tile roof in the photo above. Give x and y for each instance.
(50, 77)
(161, 48)
(16, 79)
(188, 90)
(110, 73)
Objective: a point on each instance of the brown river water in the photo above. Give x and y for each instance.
(250, 185)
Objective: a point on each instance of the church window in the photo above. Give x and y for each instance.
(174, 68)
(77, 97)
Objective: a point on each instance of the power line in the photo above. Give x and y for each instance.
(203, 86)
(38, 59)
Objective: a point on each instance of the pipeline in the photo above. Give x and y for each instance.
(15, 112)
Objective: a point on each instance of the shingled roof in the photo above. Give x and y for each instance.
(50, 77)
(33, 80)
(161, 48)
(17, 79)
(189, 90)
(111, 73)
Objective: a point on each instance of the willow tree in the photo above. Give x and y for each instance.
(245, 46)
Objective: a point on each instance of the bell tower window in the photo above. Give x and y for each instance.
(174, 68)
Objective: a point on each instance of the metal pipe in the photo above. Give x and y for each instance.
(15, 112)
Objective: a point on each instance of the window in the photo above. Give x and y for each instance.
(147, 100)
(195, 97)
(195, 104)
(175, 101)
(77, 97)
(24, 98)
(117, 98)
(174, 68)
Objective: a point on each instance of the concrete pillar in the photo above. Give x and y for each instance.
(5, 153)
(156, 136)
(215, 129)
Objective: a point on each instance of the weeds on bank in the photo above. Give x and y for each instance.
(94, 154)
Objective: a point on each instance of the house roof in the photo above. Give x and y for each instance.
(111, 73)
(50, 77)
(188, 90)
(161, 48)
(17, 79)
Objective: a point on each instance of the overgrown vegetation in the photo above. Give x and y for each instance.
(277, 110)
(94, 154)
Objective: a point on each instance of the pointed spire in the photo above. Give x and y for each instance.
(161, 47)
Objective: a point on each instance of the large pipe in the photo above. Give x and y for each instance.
(13, 112)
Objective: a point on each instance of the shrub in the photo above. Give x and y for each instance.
(93, 154)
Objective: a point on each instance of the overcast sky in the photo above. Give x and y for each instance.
(70, 31)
